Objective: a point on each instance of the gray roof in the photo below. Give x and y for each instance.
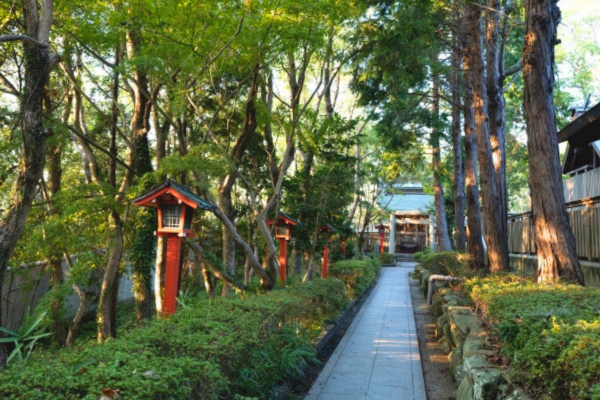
(406, 202)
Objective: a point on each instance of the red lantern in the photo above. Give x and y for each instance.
(381, 229)
(283, 232)
(176, 204)
(328, 230)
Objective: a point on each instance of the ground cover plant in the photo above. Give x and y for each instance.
(222, 348)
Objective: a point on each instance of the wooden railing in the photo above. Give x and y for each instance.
(582, 186)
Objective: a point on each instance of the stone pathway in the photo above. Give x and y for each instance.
(378, 358)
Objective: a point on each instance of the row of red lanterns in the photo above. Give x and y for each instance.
(176, 204)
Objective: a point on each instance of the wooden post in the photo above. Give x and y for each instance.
(172, 274)
(282, 260)
(325, 266)
(381, 243)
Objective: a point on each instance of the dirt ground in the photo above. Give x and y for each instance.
(439, 384)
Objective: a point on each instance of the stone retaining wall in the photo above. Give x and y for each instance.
(466, 342)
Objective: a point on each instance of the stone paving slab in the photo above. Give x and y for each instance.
(378, 357)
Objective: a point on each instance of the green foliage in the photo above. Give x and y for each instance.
(551, 332)
(214, 349)
(357, 275)
(445, 263)
(27, 336)
(387, 258)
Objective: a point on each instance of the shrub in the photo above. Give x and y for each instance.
(387, 258)
(445, 263)
(357, 275)
(551, 332)
(222, 348)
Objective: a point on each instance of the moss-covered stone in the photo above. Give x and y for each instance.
(473, 364)
(439, 324)
(465, 390)
(472, 345)
(456, 361)
(460, 328)
(486, 383)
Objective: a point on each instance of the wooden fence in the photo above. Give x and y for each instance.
(372, 239)
(25, 285)
(585, 222)
(584, 217)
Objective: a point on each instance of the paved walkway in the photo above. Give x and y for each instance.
(378, 358)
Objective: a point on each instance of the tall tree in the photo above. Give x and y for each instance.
(474, 230)
(441, 223)
(495, 233)
(38, 64)
(555, 244)
(458, 178)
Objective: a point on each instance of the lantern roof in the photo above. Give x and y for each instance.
(169, 188)
(381, 226)
(283, 218)
(327, 228)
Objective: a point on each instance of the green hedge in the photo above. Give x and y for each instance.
(387, 258)
(223, 348)
(357, 275)
(551, 333)
(445, 263)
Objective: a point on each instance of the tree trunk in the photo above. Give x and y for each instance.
(226, 205)
(440, 207)
(105, 317)
(474, 231)
(496, 107)
(74, 328)
(81, 309)
(55, 260)
(37, 62)
(237, 153)
(458, 181)
(159, 272)
(555, 244)
(114, 118)
(495, 234)
(142, 247)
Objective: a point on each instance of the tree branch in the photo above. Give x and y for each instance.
(15, 38)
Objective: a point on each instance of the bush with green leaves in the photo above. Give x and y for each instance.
(445, 263)
(357, 275)
(550, 332)
(214, 349)
(387, 258)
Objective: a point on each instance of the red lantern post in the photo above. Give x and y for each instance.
(327, 229)
(176, 205)
(381, 229)
(283, 224)
(347, 232)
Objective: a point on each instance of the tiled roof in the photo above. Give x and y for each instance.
(406, 202)
(183, 190)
